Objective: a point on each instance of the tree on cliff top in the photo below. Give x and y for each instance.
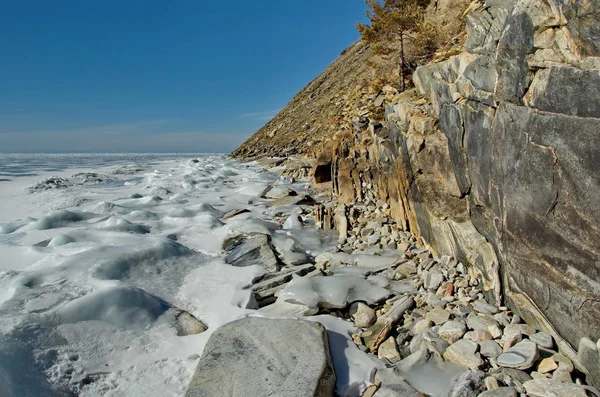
(396, 21)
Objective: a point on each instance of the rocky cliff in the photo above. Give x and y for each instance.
(493, 158)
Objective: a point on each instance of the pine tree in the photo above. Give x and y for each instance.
(393, 21)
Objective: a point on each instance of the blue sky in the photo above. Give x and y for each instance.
(149, 75)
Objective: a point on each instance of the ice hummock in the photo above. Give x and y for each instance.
(335, 291)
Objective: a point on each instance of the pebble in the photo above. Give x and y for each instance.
(403, 246)
(562, 375)
(366, 232)
(515, 374)
(521, 356)
(511, 336)
(437, 346)
(564, 363)
(480, 335)
(502, 318)
(537, 375)
(491, 383)
(490, 348)
(464, 352)
(389, 350)
(484, 322)
(484, 307)
(422, 325)
(433, 280)
(364, 316)
(547, 365)
(438, 316)
(500, 392)
(452, 331)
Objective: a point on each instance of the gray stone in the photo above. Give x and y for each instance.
(422, 325)
(433, 280)
(542, 339)
(464, 352)
(500, 392)
(251, 249)
(282, 277)
(506, 374)
(484, 307)
(400, 388)
(260, 357)
(452, 331)
(561, 375)
(438, 316)
(567, 90)
(589, 356)
(484, 322)
(552, 388)
(521, 356)
(564, 362)
(435, 345)
(418, 357)
(530, 190)
(468, 384)
(489, 348)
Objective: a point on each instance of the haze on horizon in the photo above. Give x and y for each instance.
(147, 76)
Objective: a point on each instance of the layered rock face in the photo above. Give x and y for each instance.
(494, 159)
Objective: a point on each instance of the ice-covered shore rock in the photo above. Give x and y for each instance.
(247, 249)
(265, 357)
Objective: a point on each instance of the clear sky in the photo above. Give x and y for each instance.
(150, 75)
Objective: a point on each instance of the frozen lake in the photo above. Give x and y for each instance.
(96, 251)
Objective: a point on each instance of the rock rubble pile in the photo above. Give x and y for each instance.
(408, 308)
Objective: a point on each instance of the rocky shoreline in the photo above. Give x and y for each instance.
(407, 308)
(492, 157)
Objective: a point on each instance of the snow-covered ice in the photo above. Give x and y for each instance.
(96, 251)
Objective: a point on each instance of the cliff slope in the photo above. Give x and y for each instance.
(312, 116)
(494, 159)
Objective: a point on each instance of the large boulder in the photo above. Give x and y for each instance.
(265, 357)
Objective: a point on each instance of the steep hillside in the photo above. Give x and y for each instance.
(312, 116)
